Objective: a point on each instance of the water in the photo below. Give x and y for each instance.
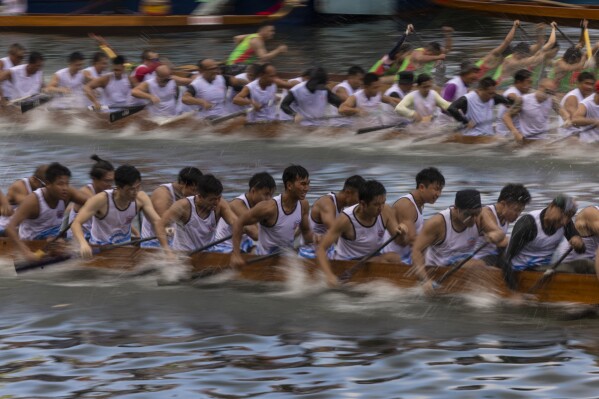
(76, 334)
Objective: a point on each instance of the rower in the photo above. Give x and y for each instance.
(162, 90)
(208, 91)
(326, 209)
(251, 48)
(536, 236)
(587, 225)
(587, 118)
(261, 94)
(521, 86)
(570, 102)
(408, 210)
(112, 211)
(69, 80)
(424, 59)
(403, 86)
(245, 77)
(40, 214)
(307, 101)
(459, 85)
(150, 60)
(512, 200)
(16, 54)
(116, 87)
(19, 190)
(27, 80)
(449, 237)
(358, 230)
(279, 218)
(5, 208)
(196, 216)
(262, 188)
(102, 175)
(396, 60)
(565, 68)
(490, 64)
(421, 104)
(475, 109)
(353, 82)
(165, 195)
(98, 67)
(533, 111)
(367, 102)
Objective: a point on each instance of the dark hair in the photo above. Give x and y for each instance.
(585, 76)
(423, 78)
(118, 60)
(40, 172)
(430, 176)
(355, 70)
(262, 180)
(307, 72)
(55, 170)
(294, 172)
(435, 47)
(15, 47)
(370, 78)
(522, 48)
(189, 176)
(319, 76)
(98, 56)
(254, 68)
(354, 183)
(508, 51)
(486, 83)
(521, 75)
(371, 189)
(100, 168)
(265, 25)
(126, 175)
(35, 57)
(145, 55)
(208, 184)
(76, 56)
(514, 193)
(261, 69)
(572, 55)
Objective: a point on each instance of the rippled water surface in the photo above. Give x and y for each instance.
(78, 334)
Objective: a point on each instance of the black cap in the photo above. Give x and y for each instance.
(405, 78)
(467, 199)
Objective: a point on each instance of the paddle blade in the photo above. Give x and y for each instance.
(118, 115)
(21, 267)
(221, 119)
(35, 102)
(374, 128)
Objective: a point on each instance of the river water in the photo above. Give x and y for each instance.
(75, 334)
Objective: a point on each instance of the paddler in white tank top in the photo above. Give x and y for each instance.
(279, 218)
(69, 81)
(534, 110)
(359, 230)
(261, 188)
(115, 87)
(403, 85)
(40, 214)
(522, 85)
(512, 200)
(16, 53)
(307, 102)
(113, 211)
(165, 195)
(587, 117)
(459, 85)
(162, 92)
(368, 101)
(98, 67)
(450, 236)
(195, 217)
(571, 100)
(19, 190)
(536, 236)
(421, 105)
(475, 109)
(587, 225)
(349, 87)
(408, 210)
(27, 80)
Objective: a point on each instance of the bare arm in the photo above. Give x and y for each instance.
(264, 211)
(304, 226)
(349, 107)
(341, 226)
(493, 233)
(142, 91)
(176, 213)
(580, 117)
(96, 205)
(258, 45)
(17, 192)
(5, 208)
(54, 88)
(509, 121)
(89, 88)
(432, 232)
(497, 51)
(29, 209)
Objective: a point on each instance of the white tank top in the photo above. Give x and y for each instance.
(348, 89)
(4, 220)
(7, 84)
(367, 239)
(590, 135)
(481, 113)
(567, 131)
(223, 229)
(196, 232)
(490, 249)
(73, 83)
(231, 93)
(425, 106)
(500, 127)
(282, 233)
(86, 227)
(115, 226)
(320, 228)
(48, 222)
(309, 105)
(264, 97)
(167, 95)
(94, 72)
(118, 91)
(405, 252)
(215, 93)
(24, 85)
(147, 229)
(461, 88)
(534, 117)
(395, 89)
(539, 251)
(591, 243)
(454, 247)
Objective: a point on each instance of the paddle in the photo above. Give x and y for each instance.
(26, 265)
(564, 35)
(382, 127)
(224, 118)
(18, 100)
(214, 270)
(457, 267)
(526, 37)
(575, 133)
(348, 274)
(125, 112)
(549, 272)
(205, 247)
(29, 104)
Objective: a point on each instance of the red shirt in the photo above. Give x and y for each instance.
(142, 70)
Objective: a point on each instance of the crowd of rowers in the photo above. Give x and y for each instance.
(190, 213)
(565, 85)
